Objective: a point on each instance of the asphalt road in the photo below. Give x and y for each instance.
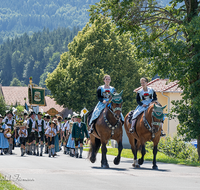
(65, 172)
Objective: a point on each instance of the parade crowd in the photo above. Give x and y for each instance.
(35, 132)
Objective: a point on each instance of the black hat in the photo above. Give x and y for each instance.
(48, 117)
(78, 116)
(66, 118)
(9, 111)
(1, 116)
(39, 113)
(32, 113)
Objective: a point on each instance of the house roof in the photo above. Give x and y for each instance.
(163, 85)
(51, 103)
(15, 94)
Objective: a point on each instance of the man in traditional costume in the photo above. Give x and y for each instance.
(78, 130)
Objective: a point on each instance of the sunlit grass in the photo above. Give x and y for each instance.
(7, 185)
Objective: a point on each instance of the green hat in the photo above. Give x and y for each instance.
(78, 116)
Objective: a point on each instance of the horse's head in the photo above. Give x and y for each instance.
(116, 104)
(158, 111)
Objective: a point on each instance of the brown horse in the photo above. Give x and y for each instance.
(148, 128)
(108, 126)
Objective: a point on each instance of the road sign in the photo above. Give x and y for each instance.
(84, 111)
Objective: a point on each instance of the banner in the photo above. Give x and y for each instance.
(36, 95)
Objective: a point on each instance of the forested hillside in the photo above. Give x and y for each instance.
(34, 55)
(20, 16)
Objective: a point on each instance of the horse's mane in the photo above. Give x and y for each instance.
(155, 102)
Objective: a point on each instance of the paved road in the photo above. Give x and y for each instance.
(64, 172)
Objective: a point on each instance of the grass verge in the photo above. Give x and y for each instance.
(7, 184)
(127, 153)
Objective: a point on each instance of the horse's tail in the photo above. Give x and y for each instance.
(94, 148)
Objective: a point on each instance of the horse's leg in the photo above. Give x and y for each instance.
(141, 160)
(104, 162)
(134, 151)
(155, 150)
(94, 147)
(120, 147)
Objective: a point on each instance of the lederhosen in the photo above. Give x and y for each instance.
(41, 133)
(31, 135)
(23, 140)
(12, 128)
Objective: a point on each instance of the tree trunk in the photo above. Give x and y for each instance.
(198, 146)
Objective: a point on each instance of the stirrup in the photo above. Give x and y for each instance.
(131, 130)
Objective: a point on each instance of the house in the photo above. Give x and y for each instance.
(17, 95)
(166, 92)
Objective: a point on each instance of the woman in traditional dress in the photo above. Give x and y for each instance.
(56, 138)
(3, 141)
(103, 94)
(144, 97)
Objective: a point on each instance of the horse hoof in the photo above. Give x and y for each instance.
(92, 159)
(136, 165)
(116, 161)
(155, 167)
(104, 166)
(140, 162)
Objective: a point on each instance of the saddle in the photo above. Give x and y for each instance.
(130, 116)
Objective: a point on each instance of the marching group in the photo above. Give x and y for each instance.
(47, 132)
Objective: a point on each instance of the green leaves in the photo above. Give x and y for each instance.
(96, 50)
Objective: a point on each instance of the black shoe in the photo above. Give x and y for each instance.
(91, 131)
(11, 153)
(22, 154)
(54, 155)
(34, 153)
(40, 154)
(64, 152)
(80, 156)
(131, 130)
(1, 153)
(72, 155)
(76, 155)
(37, 154)
(162, 134)
(49, 155)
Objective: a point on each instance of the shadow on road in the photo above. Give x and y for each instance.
(150, 169)
(116, 169)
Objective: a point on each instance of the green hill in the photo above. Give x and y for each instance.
(34, 55)
(20, 16)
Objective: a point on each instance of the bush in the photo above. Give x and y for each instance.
(177, 148)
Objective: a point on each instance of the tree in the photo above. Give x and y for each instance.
(2, 106)
(95, 51)
(169, 38)
(15, 82)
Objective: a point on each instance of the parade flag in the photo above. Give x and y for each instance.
(36, 95)
(26, 106)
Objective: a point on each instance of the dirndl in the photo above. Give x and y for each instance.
(3, 141)
(56, 143)
(70, 143)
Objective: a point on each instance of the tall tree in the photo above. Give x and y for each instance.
(95, 51)
(169, 37)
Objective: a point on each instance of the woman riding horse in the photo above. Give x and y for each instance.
(106, 122)
(103, 94)
(149, 123)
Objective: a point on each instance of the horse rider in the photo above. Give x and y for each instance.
(144, 97)
(103, 95)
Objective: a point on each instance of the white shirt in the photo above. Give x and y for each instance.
(47, 125)
(33, 124)
(10, 122)
(49, 130)
(24, 131)
(66, 126)
(40, 125)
